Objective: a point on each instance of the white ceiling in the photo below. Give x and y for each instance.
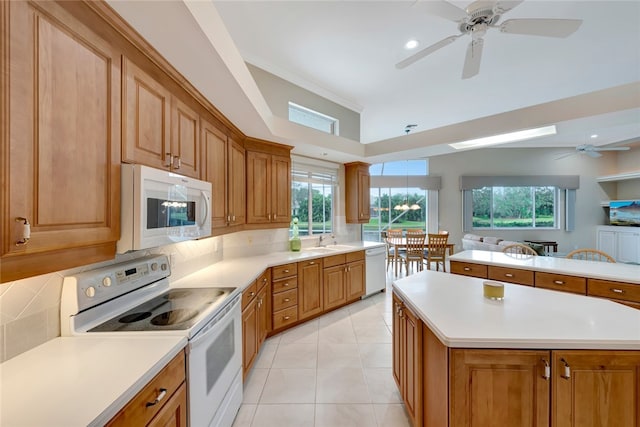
(346, 51)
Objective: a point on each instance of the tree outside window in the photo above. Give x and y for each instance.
(514, 207)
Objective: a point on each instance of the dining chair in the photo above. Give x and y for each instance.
(414, 250)
(590, 255)
(436, 250)
(518, 250)
(390, 236)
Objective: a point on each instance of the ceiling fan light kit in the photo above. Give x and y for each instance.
(479, 17)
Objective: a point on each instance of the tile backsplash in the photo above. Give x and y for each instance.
(30, 308)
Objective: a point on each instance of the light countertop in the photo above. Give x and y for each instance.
(80, 381)
(240, 272)
(454, 308)
(620, 272)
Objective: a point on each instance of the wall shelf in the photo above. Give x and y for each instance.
(619, 177)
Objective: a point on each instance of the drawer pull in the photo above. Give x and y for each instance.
(252, 294)
(508, 275)
(559, 282)
(547, 370)
(567, 370)
(286, 284)
(264, 280)
(286, 317)
(311, 262)
(287, 299)
(161, 395)
(285, 271)
(467, 269)
(617, 291)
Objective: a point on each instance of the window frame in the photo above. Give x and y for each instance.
(311, 174)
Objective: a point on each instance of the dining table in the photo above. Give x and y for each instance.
(401, 243)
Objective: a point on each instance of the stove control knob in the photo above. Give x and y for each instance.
(106, 282)
(163, 267)
(90, 292)
(154, 266)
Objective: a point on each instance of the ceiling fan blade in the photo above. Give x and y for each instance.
(473, 58)
(446, 10)
(612, 149)
(541, 27)
(593, 154)
(426, 51)
(505, 6)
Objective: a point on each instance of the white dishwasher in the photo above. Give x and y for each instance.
(376, 274)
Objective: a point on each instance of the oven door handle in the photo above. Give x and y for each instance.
(224, 315)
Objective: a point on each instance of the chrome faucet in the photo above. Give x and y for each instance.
(333, 236)
(320, 240)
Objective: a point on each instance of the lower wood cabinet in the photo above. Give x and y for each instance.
(407, 358)
(343, 279)
(468, 269)
(310, 289)
(162, 402)
(561, 282)
(256, 318)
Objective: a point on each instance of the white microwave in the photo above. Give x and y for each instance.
(160, 207)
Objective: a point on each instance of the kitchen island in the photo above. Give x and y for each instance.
(537, 358)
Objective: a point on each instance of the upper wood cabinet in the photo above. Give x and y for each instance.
(60, 141)
(357, 192)
(223, 166)
(159, 130)
(268, 183)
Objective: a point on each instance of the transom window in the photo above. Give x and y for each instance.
(313, 119)
(515, 207)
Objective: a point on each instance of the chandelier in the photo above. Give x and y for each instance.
(405, 205)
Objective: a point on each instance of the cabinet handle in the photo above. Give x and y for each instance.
(275, 216)
(617, 291)
(178, 161)
(567, 370)
(264, 280)
(286, 285)
(286, 300)
(285, 271)
(547, 370)
(26, 231)
(286, 317)
(559, 282)
(228, 218)
(169, 159)
(467, 269)
(161, 395)
(311, 262)
(400, 312)
(508, 275)
(233, 218)
(252, 294)
(269, 217)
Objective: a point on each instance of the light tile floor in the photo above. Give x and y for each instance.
(332, 371)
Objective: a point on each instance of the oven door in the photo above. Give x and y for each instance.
(214, 368)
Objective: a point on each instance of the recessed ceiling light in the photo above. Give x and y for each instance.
(411, 44)
(594, 136)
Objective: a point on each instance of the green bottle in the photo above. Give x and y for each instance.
(294, 243)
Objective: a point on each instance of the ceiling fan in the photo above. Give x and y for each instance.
(591, 151)
(479, 17)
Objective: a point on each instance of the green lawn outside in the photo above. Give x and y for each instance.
(541, 221)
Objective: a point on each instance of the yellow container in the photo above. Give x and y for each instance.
(493, 290)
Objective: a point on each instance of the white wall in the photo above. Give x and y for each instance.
(525, 161)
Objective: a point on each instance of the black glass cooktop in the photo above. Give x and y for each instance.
(176, 309)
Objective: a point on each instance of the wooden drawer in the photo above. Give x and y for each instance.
(284, 285)
(469, 269)
(355, 256)
(136, 412)
(286, 270)
(285, 317)
(285, 299)
(561, 282)
(511, 275)
(333, 260)
(263, 279)
(249, 294)
(631, 304)
(613, 290)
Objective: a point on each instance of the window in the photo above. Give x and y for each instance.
(514, 207)
(312, 192)
(313, 119)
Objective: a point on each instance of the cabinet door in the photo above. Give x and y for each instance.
(597, 388)
(263, 305)
(498, 388)
(249, 336)
(146, 118)
(258, 188)
(355, 280)
(334, 287)
(281, 189)
(364, 204)
(607, 242)
(412, 387)
(357, 192)
(310, 288)
(237, 190)
(628, 246)
(174, 412)
(185, 139)
(60, 142)
(397, 341)
(214, 160)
